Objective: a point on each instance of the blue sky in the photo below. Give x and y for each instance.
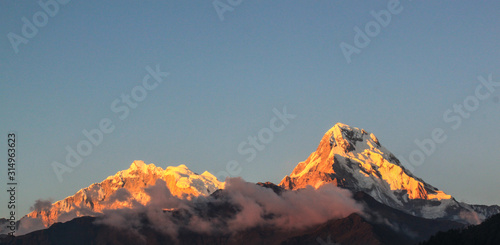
(226, 77)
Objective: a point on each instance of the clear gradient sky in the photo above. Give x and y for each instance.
(227, 76)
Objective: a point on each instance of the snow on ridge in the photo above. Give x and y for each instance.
(204, 184)
(353, 158)
(125, 189)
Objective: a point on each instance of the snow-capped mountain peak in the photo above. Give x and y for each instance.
(353, 158)
(126, 189)
(183, 177)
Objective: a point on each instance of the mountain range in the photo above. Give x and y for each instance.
(125, 189)
(351, 190)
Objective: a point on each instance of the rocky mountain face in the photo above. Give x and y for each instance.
(354, 159)
(486, 210)
(125, 189)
